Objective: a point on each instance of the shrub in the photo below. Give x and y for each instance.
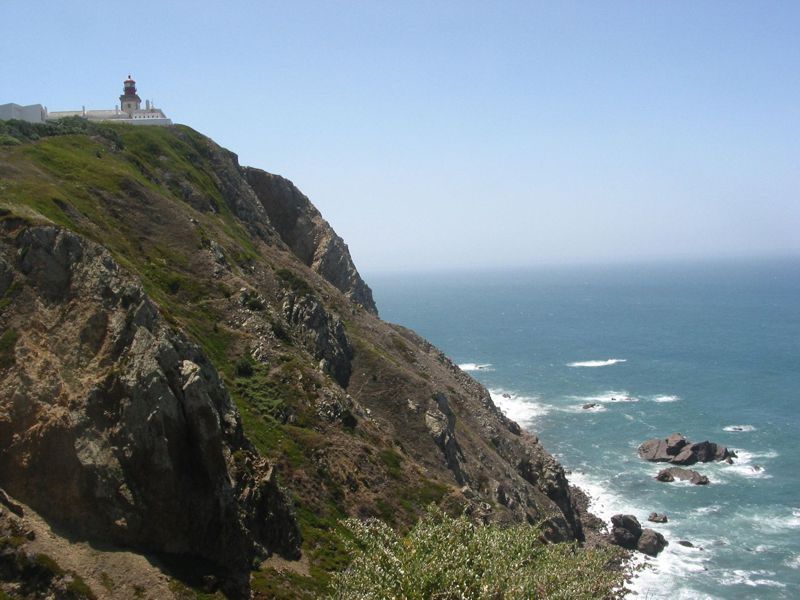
(446, 557)
(244, 366)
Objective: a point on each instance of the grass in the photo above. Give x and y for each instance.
(8, 342)
(294, 282)
(393, 462)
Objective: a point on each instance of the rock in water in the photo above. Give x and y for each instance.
(651, 542)
(657, 518)
(673, 473)
(678, 450)
(625, 531)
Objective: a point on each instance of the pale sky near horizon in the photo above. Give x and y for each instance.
(466, 134)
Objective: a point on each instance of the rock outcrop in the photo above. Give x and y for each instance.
(308, 235)
(115, 425)
(628, 533)
(676, 449)
(677, 473)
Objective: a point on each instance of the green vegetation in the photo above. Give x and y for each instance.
(8, 342)
(294, 282)
(446, 557)
(393, 462)
(244, 366)
(276, 395)
(15, 132)
(183, 592)
(78, 588)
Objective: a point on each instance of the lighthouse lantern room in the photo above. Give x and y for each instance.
(129, 101)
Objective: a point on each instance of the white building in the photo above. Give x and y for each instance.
(33, 113)
(131, 111)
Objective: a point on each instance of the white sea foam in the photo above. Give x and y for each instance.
(579, 408)
(522, 409)
(608, 397)
(750, 578)
(793, 562)
(739, 428)
(752, 465)
(476, 367)
(597, 363)
(666, 573)
(665, 398)
(705, 510)
(777, 520)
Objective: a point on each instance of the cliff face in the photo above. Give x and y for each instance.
(114, 424)
(308, 235)
(182, 335)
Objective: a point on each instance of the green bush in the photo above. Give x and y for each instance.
(244, 366)
(446, 557)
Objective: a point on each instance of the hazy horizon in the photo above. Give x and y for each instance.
(465, 135)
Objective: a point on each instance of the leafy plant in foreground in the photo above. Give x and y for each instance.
(452, 558)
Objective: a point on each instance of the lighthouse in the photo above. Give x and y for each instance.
(129, 101)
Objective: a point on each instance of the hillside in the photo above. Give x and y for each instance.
(193, 371)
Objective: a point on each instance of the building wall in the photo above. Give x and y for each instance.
(33, 113)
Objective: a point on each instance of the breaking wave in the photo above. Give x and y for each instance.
(522, 409)
(597, 363)
(476, 367)
(741, 428)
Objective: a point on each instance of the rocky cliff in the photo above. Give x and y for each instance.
(191, 366)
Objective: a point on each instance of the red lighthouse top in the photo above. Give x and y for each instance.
(129, 88)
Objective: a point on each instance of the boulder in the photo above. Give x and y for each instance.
(677, 450)
(625, 531)
(673, 473)
(675, 442)
(685, 457)
(654, 451)
(686, 543)
(589, 405)
(657, 518)
(651, 542)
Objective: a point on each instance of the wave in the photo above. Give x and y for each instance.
(739, 428)
(522, 409)
(794, 562)
(665, 398)
(609, 397)
(750, 578)
(746, 464)
(666, 574)
(597, 363)
(476, 367)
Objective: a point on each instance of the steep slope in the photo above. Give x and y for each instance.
(182, 332)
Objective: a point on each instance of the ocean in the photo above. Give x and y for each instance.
(710, 350)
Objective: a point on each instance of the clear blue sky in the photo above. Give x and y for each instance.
(465, 134)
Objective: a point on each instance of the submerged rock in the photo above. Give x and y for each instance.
(673, 473)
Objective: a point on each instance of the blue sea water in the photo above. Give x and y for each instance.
(709, 350)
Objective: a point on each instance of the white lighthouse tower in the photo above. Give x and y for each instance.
(129, 101)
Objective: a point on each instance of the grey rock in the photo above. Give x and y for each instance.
(142, 456)
(651, 542)
(673, 473)
(657, 518)
(308, 235)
